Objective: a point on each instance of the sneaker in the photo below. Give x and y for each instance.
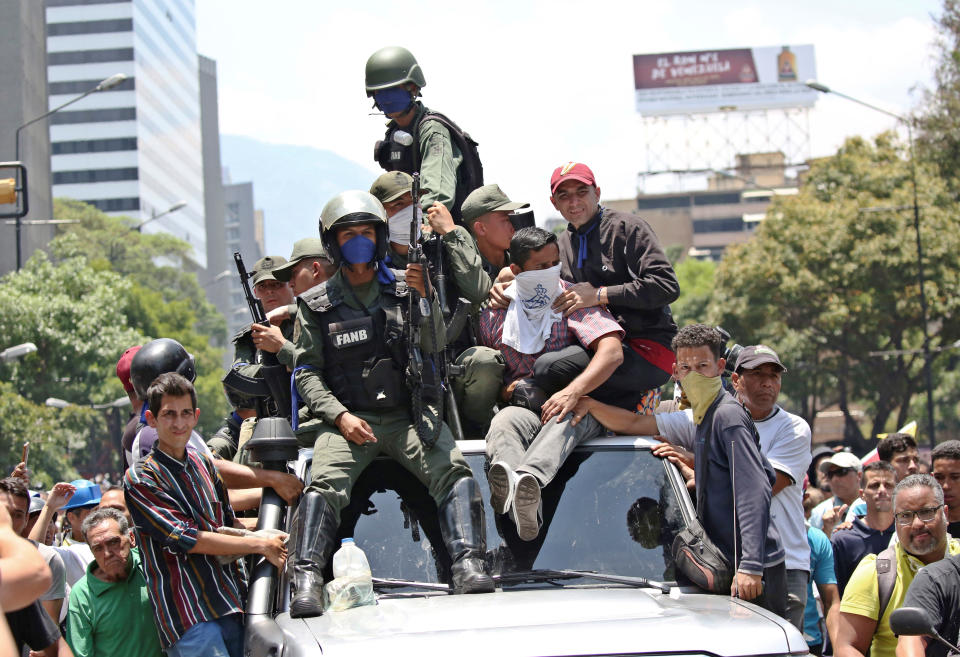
(525, 510)
(502, 480)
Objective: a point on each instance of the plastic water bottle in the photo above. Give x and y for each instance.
(352, 585)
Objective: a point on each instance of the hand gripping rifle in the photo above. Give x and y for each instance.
(275, 377)
(419, 311)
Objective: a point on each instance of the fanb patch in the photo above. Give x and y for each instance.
(352, 333)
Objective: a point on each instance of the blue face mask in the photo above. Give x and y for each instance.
(392, 100)
(358, 250)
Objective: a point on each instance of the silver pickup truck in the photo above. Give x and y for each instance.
(599, 580)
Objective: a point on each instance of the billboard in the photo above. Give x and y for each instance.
(713, 80)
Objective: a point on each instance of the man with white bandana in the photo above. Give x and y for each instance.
(476, 388)
(527, 445)
(734, 481)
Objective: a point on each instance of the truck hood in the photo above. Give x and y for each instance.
(569, 621)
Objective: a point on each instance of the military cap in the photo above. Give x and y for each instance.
(263, 268)
(308, 247)
(391, 186)
(489, 198)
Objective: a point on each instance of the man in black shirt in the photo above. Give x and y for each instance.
(936, 590)
(869, 534)
(614, 259)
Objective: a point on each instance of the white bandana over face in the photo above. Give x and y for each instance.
(399, 225)
(530, 317)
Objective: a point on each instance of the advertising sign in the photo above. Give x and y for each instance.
(714, 80)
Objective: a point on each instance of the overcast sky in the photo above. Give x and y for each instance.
(539, 83)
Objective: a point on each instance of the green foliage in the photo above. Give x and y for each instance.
(696, 288)
(831, 276)
(105, 289)
(54, 434)
(938, 138)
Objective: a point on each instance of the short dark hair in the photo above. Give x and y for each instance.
(699, 335)
(949, 449)
(169, 383)
(895, 443)
(526, 240)
(876, 466)
(99, 516)
(15, 487)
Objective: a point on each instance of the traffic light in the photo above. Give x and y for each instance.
(8, 191)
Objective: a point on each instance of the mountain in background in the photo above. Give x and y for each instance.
(291, 184)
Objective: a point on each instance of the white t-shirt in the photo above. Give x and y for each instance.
(785, 442)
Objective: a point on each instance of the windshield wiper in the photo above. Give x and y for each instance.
(543, 575)
(380, 583)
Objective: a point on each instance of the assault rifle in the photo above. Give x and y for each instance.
(272, 387)
(419, 310)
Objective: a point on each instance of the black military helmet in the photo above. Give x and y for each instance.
(159, 357)
(349, 209)
(391, 67)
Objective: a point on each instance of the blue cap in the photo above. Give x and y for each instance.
(88, 494)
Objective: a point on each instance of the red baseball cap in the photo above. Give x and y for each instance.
(571, 171)
(123, 367)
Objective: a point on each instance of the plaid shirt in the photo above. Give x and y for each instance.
(171, 501)
(584, 326)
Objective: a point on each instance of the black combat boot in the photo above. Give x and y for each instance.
(461, 523)
(316, 535)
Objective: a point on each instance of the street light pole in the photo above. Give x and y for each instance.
(921, 278)
(179, 205)
(104, 85)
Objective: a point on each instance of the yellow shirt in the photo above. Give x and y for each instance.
(862, 595)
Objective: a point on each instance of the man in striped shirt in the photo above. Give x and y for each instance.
(178, 503)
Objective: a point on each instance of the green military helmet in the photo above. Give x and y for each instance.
(391, 67)
(349, 209)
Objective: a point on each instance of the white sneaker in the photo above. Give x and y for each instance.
(502, 480)
(525, 509)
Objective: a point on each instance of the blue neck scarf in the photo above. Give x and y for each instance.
(583, 234)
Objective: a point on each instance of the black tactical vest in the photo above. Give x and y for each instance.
(363, 351)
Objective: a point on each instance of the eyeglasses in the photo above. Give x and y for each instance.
(838, 472)
(905, 518)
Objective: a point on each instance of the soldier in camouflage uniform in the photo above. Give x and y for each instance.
(351, 342)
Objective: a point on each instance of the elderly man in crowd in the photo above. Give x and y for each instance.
(109, 611)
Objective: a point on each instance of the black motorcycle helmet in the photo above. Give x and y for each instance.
(159, 357)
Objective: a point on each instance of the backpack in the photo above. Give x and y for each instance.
(470, 173)
(886, 577)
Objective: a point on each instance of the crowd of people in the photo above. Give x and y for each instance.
(561, 338)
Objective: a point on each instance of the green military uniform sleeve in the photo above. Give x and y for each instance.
(287, 351)
(466, 266)
(308, 355)
(439, 160)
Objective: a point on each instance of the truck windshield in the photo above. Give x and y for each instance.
(610, 510)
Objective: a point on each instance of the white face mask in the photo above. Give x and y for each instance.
(399, 225)
(530, 318)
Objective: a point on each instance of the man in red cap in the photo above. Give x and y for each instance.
(614, 259)
(133, 423)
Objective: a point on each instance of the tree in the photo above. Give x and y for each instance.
(831, 278)
(938, 119)
(696, 287)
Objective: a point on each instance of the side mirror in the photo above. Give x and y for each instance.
(911, 621)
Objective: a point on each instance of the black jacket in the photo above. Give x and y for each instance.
(623, 254)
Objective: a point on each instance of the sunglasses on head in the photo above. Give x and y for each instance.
(838, 472)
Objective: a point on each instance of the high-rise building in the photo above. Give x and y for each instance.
(23, 96)
(244, 233)
(218, 261)
(137, 149)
